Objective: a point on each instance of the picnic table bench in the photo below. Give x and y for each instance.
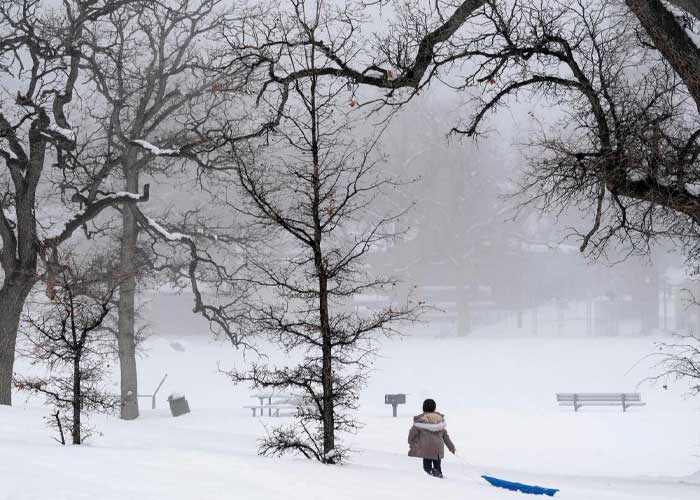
(276, 402)
(272, 409)
(579, 399)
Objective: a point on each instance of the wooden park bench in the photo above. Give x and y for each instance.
(275, 403)
(579, 399)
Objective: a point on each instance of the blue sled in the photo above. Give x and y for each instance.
(523, 488)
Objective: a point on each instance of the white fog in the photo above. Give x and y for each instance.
(349, 249)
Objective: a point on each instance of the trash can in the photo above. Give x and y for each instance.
(178, 405)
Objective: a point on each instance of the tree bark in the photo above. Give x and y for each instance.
(126, 338)
(327, 380)
(77, 396)
(670, 39)
(12, 297)
(326, 346)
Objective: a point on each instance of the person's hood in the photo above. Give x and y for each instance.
(433, 422)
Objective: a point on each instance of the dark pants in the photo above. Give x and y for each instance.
(430, 465)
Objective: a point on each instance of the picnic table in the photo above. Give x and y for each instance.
(281, 401)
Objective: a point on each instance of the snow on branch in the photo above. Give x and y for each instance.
(155, 150)
(165, 233)
(92, 210)
(123, 195)
(221, 318)
(9, 155)
(679, 12)
(9, 215)
(694, 37)
(66, 133)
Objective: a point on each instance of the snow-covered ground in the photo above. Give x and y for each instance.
(497, 393)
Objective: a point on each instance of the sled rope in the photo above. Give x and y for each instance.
(509, 485)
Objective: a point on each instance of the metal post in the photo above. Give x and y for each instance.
(393, 407)
(575, 401)
(155, 393)
(624, 406)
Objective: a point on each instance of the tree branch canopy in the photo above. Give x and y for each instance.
(92, 210)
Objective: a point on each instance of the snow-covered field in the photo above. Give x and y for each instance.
(497, 394)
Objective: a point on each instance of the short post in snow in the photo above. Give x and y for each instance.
(394, 400)
(155, 393)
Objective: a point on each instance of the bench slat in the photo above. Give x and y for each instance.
(601, 403)
(628, 395)
(271, 407)
(578, 400)
(607, 397)
(620, 396)
(599, 394)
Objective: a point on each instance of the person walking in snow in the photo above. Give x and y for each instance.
(428, 437)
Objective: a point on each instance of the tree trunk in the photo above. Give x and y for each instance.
(126, 338)
(328, 413)
(12, 297)
(76, 400)
(326, 346)
(326, 370)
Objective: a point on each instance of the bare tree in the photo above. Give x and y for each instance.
(427, 40)
(680, 360)
(312, 187)
(206, 256)
(625, 148)
(65, 337)
(155, 66)
(40, 60)
(400, 63)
